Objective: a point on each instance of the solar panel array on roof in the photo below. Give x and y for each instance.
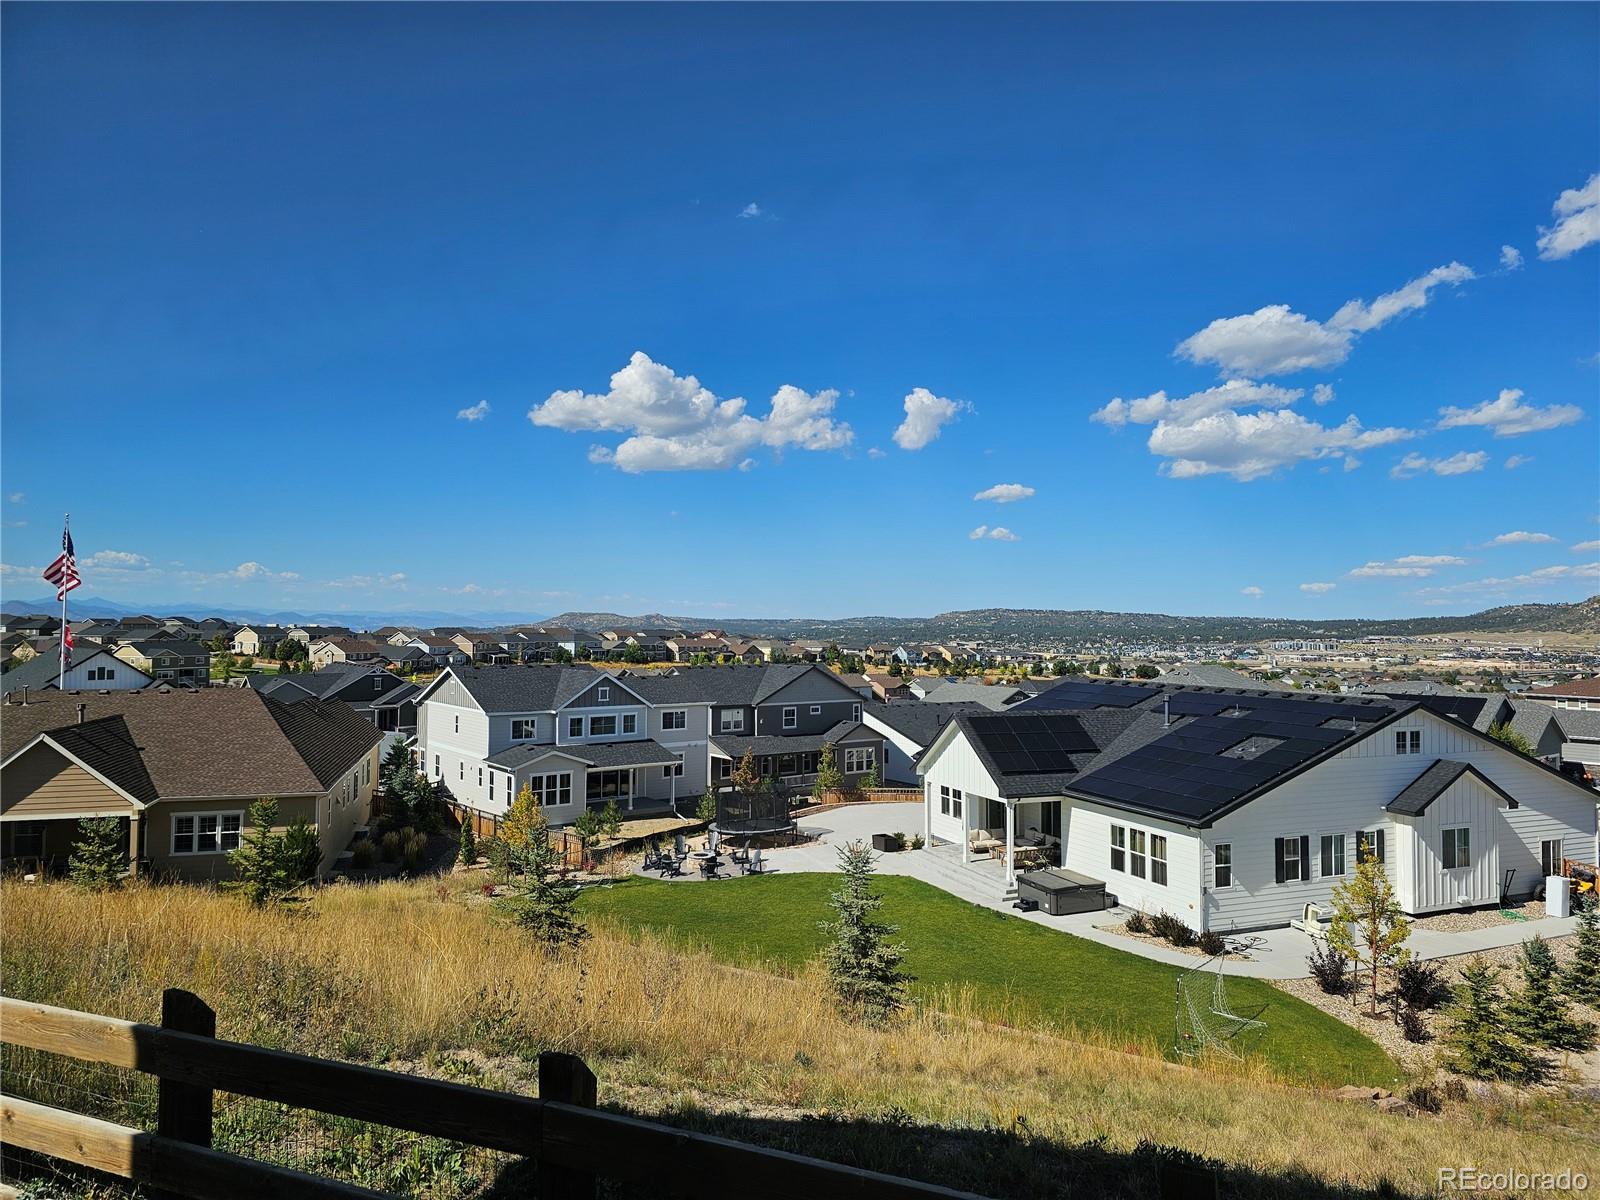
(1075, 694)
(1023, 744)
(1187, 773)
(1461, 708)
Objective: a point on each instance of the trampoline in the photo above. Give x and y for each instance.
(745, 818)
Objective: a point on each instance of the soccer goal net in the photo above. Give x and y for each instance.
(1205, 1018)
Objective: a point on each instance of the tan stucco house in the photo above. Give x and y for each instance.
(180, 769)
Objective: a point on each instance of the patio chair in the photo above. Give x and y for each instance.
(981, 841)
(671, 868)
(755, 866)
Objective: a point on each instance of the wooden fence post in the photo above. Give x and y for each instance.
(565, 1078)
(183, 1110)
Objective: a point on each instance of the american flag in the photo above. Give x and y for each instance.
(64, 571)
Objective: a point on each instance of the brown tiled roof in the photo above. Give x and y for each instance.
(166, 744)
(1583, 689)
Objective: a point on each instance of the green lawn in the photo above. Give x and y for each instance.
(1061, 980)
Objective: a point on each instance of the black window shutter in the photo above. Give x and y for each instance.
(1305, 857)
(1357, 843)
(1380, 845)
(1277, 854)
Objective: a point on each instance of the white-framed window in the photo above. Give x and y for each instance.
(675, 718)
(602, 693)
(676, 769)
(630, 722)
(524, 729)
(491, 787)
(955, 802)
(438, 771)
(816, 710)
(855, 712)
(1222, 866)
(1408, 741)
(1456, 848)
(1158, 859)
(791, 717)
(1292, 857)
(480, 776)
(724, 768)
(602, 726)
(206, 833)
(1369, 842)
(1136, 855)
(1330, 853)
(1550, 857)
(574, 726)
(944, 800)
(1119, 848)
(858, 759)
(732, 720)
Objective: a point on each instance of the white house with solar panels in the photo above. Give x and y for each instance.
(1235, 808)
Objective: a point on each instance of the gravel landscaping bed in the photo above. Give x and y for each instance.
(1120, 928)
(1422, 1056)
(1482, 918)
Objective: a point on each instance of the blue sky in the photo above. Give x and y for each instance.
(258, 259)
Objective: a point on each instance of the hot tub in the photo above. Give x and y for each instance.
(1058, 892)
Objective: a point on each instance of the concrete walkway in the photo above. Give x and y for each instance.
(1274, 953)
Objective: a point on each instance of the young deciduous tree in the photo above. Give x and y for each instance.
(746, 779)
(829, 777)
(611, 821)
(97, 853)
(706, 810)
(1368, 926)
(1478, 1041)
(1581, 979)
(524, 822)
(1536, 1012)
(862, 959)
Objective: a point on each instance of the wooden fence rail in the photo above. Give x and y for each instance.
(568, 1138)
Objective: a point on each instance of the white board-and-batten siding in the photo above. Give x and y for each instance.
(958, 766)
(1086, 830)
(1348, 792)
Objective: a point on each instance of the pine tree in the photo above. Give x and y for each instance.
(706, 810)
(1478, 1042)
(469, 845)
(1536, 1013)
(98, 853)
(546, 905)
(1367, 924)
(1581, 979)
(610, 821)
(862, 960)
(259, 865)
(395, 767)
(302, 851)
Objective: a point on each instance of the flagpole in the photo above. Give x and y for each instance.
(61, 677)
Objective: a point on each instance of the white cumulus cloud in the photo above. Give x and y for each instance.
(1322, 394)
(676, 424)
(926, 415)
(1250, 446)
(1521, 537)
(1588, 547)
(477, 412)
(998, 534)
(874, 452)
(117, 560)
(1577, 212)
(1510, 257)
(1005, 493)
(1252, 591)
(751, 211)
(1275, 340)
(1518, 460)
(1508, 416)
(1413, 566)
(1318, 589)
(1463, 463)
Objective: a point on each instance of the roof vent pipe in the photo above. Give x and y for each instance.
(1166, 712)
(82, 709)
(24, 693)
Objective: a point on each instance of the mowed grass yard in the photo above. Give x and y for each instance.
(1024, 973)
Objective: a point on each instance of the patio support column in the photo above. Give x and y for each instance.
(927, 818)
(134, 823)
(966, 831)
(1011, 840)
(633, 785)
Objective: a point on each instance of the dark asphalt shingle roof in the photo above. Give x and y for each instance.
(542, 688)
(735, 746)
(645, 752)
(1427, 787)
(251, 744)
(920, 720)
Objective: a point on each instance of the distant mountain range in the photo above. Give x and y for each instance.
(1046, 625)
(1026, 626)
